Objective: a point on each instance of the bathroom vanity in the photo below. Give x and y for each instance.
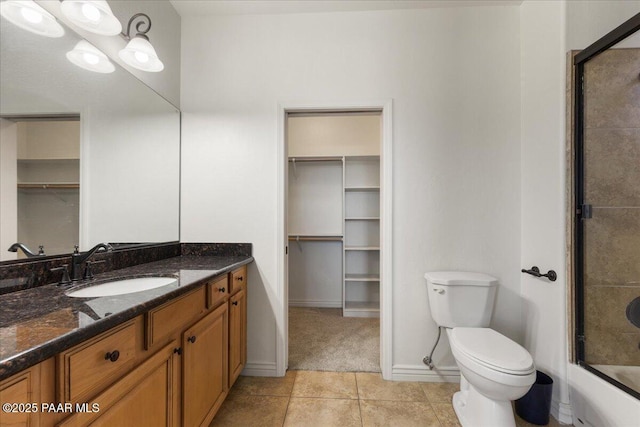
(165, 356)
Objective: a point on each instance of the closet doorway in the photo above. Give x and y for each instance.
(333, 232)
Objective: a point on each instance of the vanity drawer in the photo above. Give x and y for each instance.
(218, 291)
(90, 367)
(238, 279)
(175, 316)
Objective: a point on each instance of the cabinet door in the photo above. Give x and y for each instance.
(22, 388)
(237, 335)
(147, 396)
(204, 386)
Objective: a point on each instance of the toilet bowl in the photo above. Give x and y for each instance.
(494, 370)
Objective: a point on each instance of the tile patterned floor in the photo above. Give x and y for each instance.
(342, 399)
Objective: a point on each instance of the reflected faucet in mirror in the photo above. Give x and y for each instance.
(77, 258)
(26, 250)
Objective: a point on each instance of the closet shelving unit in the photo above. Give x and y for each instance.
(361, 261)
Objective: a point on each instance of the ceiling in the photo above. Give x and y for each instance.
(252, 7)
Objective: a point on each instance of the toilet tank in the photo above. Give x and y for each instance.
(458, 298)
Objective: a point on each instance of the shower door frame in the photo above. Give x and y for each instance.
(579, 207)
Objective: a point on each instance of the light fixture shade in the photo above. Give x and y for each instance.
(29, 16)
(141, 55)
(92, 15)
(87, 56)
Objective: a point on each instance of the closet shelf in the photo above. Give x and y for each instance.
(362, 189)
(362, 277)
(314, 237)
(362, 218)
(362, 248)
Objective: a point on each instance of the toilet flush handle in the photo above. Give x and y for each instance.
(439, 290)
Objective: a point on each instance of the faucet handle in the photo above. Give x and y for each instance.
(75, 249)
(66, 280)
(41, 250)
(88, 270)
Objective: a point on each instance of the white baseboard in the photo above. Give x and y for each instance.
(260, 369)
(561, 412)
(316, 304)
(445, 374)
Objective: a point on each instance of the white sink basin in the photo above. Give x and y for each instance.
(121, 287)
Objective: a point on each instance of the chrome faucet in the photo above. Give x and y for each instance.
(78, 258)
(26, 250)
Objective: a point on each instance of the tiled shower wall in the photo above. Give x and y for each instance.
(612, 187)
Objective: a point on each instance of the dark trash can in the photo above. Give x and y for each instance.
(534, 407)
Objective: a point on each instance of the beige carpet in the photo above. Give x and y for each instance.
(320, 339)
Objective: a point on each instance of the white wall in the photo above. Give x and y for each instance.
(543, 201)
(587, 21)
(454, 77)
(8, 187)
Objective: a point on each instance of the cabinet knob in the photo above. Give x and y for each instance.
(192, 339)
(221, 289)
(178, 351)
(235, 303)
(240, 278)
(112, 355)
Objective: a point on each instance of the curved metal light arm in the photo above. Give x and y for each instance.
(141, 30)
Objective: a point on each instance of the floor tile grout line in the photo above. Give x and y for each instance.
(355, 377)
(286, 411)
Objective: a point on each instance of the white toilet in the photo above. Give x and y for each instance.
(494, 370)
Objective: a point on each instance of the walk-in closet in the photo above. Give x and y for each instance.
(333, 224)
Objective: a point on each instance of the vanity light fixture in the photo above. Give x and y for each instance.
(139, 53)
(87, 56)
(30, 16)
(92, 15)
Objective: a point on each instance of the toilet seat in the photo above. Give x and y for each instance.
(491, 350)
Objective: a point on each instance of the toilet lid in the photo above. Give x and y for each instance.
(493, 350)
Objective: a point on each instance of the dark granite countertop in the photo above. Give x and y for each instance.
(40, 322)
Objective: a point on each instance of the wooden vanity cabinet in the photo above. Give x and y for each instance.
(22, 388)
(204, 367)
(147, 396)
(170, 319)
(90, 367)
(237, 323)
(237, 335)
(172, 366)
(217, 291)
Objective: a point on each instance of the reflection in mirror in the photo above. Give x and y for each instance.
(48, 182)
(122, 179)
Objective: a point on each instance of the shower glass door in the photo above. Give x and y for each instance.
(608, 212)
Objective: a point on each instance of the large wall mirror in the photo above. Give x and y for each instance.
(85, 157)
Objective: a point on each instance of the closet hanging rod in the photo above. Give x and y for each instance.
(314, 159)
(47, 186)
